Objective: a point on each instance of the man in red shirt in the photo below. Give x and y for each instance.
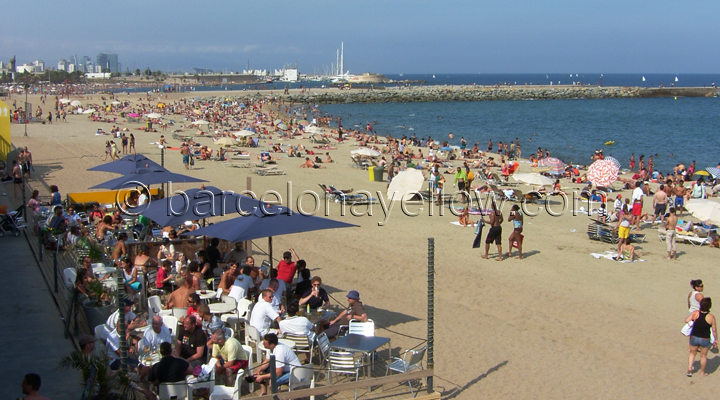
(286, 267)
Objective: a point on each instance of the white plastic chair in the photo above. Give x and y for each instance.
(301, 377)
(170, 390)
(69, 276)
(222, 392)
(155, 307)
(362, 328)
(252, 335)
(410, 361)
(171, 323)
(178, 312)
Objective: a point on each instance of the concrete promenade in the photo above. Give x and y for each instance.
(31, 331)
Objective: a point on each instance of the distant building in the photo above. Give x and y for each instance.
(97, 75)
(38, 66)
(108, 62)
(62, 65)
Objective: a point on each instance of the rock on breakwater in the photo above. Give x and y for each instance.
(487, 93)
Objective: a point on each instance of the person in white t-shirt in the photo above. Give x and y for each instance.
(132, 321)
(294, 323)
(285, 358)
(158, 333)
(242, 285)
(263, 313)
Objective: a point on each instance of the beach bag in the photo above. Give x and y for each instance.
(192, 160)
(687, 328)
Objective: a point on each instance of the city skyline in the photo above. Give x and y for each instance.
(396, 37)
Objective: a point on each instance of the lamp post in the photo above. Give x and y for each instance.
(26, 106)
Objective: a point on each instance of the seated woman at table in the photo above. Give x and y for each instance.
(167, 250)
(143, 260)
(130, 272)
(120, 250)
(103, 227)
(82, 284)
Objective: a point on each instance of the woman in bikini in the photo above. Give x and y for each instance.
(516, 236)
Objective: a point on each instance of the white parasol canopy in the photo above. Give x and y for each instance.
(533, 179)
(314, 129)
(64, 101)
(76, 103)
(153, 116)
(704, 210)
(226, 141)
(365, 151)
(244, 132)
(89, 111)
(115, 103)
(200, 122)
(405, 185)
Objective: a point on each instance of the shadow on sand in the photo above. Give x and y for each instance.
(455, 392)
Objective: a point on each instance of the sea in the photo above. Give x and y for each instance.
(672, 130)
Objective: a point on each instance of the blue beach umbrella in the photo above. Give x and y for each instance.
(200, 203)
(146, 176)
(261, 223)
(127, 164)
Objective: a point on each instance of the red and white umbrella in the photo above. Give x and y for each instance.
(603, 172)
(614, 161)
(551, 165)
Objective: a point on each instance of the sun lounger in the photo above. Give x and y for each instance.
(264, 171)
(347, 198)
(364, 164)
(319, 140)
(604, 233)
(686, 238)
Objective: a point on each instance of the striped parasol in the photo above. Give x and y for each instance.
(603, 172)
(551, 165)
(715, 172)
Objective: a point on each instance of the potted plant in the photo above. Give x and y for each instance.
(99, 304)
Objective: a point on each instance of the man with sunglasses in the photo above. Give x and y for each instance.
(316, 296)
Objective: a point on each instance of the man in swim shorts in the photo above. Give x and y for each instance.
(679, 192)
(495, 232)
(670, 224)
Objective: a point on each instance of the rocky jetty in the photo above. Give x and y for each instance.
(486, 93)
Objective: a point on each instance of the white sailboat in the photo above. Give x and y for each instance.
(676, 78)
(643, 78)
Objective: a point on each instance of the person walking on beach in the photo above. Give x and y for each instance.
(703, 323)
(670, 225)
(695, 296)
(516, 235)
(185, 151)
(132, 144)
(637, 198)
(495, 232)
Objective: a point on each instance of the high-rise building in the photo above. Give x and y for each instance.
(62, 65)
(108, 62)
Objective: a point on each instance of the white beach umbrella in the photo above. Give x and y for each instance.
(282, 126)
(64, 101)
(314, 129)
(244, 132)
(365, 151)
(76, 103)
(704, 210)
(115, 103)
(405, 185)
(533, 179)
(225, 141)
(89, 111)
(200, 122)
(153, 116)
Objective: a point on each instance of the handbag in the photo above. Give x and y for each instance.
(687, 328)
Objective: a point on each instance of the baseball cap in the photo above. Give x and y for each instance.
(353, 294)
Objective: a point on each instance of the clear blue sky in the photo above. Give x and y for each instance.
(388, 36)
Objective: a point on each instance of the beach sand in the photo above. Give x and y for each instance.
(555, 325)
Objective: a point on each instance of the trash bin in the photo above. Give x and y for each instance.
(371, 173)
(378, 174)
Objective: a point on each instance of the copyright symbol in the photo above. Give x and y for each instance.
(127, 200)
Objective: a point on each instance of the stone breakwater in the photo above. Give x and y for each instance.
(487, 93)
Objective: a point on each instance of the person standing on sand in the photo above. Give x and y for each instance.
(660, 200)
(185, 151)
(632, 162)
(703, 323)
(679, 191)
(637, 198)
(695, 296)
(495, 232)
(132, 144)
(670, 224)
(516, 236)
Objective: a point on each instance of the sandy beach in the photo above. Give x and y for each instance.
(556, 324)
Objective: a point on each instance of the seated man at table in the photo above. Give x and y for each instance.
(355, 311)
(191, 341)
(296, 324)
(263, 313)
(316, 296)
(112, 344)
(236, 255)
(159, 333)
(284, 359)
(230, 355)
(169, 369)
(227, 278)
(278, 294)
(242, 285)
(132, 320)
(179, 297)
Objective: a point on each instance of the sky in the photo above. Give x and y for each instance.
(395, 36)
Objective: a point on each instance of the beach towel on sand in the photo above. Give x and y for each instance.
(612, 255)
(458, 224)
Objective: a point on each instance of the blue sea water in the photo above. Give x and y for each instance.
(673, 131)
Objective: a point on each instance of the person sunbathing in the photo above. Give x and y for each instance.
(464, 217)
(310, 164)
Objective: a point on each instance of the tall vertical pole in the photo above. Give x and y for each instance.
(431, 312)
(27, 87)
(342, 59)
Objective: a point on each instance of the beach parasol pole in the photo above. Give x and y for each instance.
(431, 312)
